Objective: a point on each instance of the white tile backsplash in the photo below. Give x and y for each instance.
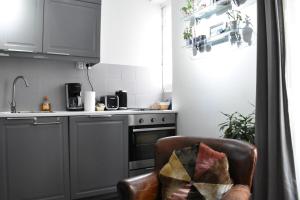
(143, 85)
(114, 72)
(129, 73)
(131, 100)
(49, 77)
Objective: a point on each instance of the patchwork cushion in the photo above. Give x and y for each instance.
(211, 166)
(196, 172)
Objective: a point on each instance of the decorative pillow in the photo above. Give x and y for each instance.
(196, 172)
(211, 166)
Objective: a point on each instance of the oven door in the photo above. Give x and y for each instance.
(142, 143)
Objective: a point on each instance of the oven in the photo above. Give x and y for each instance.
(144, 131)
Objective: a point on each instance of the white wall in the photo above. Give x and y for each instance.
(131, 33)
(222, 80)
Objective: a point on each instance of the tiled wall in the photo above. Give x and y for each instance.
(143, 84)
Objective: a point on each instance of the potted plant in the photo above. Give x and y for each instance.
(188, 8)
(238, 126)
(235, 18)
(188, 35)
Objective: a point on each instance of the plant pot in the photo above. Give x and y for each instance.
(233, 25)
(235, 37)
(239, 2)
(247, 34)
(195, 50)
(189, 42)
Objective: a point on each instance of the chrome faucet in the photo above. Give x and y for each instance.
(13, 106)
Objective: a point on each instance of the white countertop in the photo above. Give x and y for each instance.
(80, 113)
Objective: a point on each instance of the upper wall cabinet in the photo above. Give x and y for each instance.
(54, 29)
(72, 28)
(21, 25)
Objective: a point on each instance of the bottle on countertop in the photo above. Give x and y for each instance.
(46, 105)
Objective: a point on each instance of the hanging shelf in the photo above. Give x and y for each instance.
(217, 33)
(210, 10)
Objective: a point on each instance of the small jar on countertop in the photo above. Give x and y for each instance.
(46, 105)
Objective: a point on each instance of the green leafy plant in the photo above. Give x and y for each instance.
(234, 15)
(188, 8)
(247, 20)
(238, 126)
(187, 34)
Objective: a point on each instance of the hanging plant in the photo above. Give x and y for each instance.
(235, 17)
(188, 35)
(188, 8)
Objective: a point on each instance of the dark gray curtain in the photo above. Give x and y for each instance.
(275, 173)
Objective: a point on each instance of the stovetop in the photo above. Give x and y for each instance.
(141, 109)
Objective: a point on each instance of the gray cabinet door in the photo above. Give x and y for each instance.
(72, 28)
(21, 25)
(34, 159)
(99, 154)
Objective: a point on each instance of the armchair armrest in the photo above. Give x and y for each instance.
(237, 192)
(139, 187)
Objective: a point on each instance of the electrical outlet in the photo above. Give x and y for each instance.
(80, 65)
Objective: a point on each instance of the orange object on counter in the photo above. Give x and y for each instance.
(46, 105)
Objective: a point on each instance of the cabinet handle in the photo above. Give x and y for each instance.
(45, 123)
(34, 119)
(153, 129)
(22, 118)
(58, 53)
(36, 123)
(19, 50)
(4, 54)
(100, 116)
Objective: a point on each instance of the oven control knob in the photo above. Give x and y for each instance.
(152, 120)
(141, 120)
(163, 119)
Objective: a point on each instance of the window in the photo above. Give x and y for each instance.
(292, 15)
(167, 47)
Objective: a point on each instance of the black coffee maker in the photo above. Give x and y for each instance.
(122, 99)
(73, 97)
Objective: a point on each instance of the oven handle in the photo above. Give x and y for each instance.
(153, 129)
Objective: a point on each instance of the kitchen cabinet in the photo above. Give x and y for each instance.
(92, 1)
(34, 160)
(72, 28)
(21, 25)
(98, 154)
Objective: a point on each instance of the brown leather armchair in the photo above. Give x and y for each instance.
(241, 156)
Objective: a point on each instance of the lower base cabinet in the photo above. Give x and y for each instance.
(98, 155)
(34, 159)
(63, 158)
